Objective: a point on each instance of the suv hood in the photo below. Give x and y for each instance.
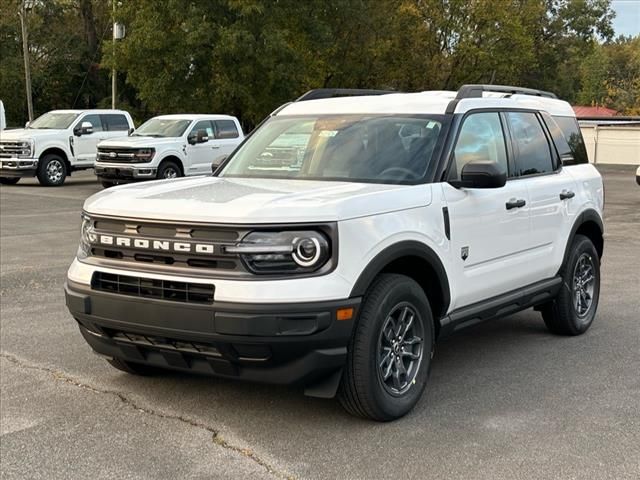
(243, 201)
(140, 142)
(25, 133)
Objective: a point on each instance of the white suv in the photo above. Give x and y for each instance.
(338, 266)
(58, 143)
(169, 146)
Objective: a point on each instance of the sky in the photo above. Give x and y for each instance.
(627, 21)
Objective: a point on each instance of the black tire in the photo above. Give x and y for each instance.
(52, 170)
(133, 368)
(107, 183)
(364, 392)
(168, 169)
(568, 313)
(9, 180)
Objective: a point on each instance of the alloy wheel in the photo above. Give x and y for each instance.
(584, 282)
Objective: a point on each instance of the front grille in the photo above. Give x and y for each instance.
(214, 259)
(118, 155)
(9, 149)
(171, 290)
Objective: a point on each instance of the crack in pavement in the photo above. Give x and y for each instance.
(216, 437)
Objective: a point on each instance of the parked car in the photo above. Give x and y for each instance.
(168, 146)
(339, 270)
(58, 143)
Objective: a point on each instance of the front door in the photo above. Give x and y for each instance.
(200, 155)
(487, 226)
(85, 145)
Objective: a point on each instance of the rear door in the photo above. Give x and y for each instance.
(487, 226)
(227, 137)
(550, 189)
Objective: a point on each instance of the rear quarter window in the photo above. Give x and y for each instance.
(226, 129)
(573, 138)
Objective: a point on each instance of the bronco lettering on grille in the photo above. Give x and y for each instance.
(159, 245)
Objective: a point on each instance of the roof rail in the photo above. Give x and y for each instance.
(319, 93)
(475, 91)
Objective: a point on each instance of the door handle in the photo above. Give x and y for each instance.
(215, 147)
(513, 203)
(566, 194)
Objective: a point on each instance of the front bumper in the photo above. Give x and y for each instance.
(124, 172)
(18, 167)
(297, 343)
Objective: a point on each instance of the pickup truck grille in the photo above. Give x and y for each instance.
(166, 248)
(117, 155)
(153, 288)
(11, 149)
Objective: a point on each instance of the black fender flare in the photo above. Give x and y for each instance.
(407, 248)
(589, 215)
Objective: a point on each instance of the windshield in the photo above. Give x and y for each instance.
(162, 127)
(54, 120)
(370, 148)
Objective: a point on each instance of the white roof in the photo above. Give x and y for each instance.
(432, 102)
(90, 110)
(196, 116)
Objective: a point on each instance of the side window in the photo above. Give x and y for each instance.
(573, 135)
(115, 122)
(533, 155)
(93, 120)
(226, 129)
(203, 125)
(481, 138)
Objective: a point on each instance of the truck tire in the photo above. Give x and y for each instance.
(389, 354)
(169, 169)
(9, 180)
(574, 308)
(52, 170)
(107, 183)
(133, 368)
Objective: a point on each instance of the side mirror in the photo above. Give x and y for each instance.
(85, 128)
(131, 130)
(199, 136)
(217, 162)
(26, 125)
(481, 174)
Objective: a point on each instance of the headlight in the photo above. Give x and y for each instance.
(145, 154)
(283, 252)
(26, 148)
(87, 237)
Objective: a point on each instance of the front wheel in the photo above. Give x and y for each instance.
(9, 180)
(107, 183)
(389, 355)
(168, 170)
(573, 310)
(51, 170)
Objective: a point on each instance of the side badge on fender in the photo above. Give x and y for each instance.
(464, 253)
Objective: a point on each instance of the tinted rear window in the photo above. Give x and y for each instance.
(115, 122)
(573, 136)
(226, 129)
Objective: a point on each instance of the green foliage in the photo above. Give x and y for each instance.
(246, 57)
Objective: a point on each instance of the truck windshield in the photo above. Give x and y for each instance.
(367, 148)
(162, 127)
(54, 121)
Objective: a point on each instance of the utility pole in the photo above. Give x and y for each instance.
(113, 70)
(25, 6)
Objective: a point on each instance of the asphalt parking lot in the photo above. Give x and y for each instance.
(505, 400)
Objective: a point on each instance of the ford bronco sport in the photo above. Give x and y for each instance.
(390, 220)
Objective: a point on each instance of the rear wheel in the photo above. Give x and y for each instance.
(169, 169)
(389, 355)
(51, 170)
(133, 368)
(574, 308)
(9, 180)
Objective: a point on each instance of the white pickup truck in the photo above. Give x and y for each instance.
(168, 146)
(58, 143)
